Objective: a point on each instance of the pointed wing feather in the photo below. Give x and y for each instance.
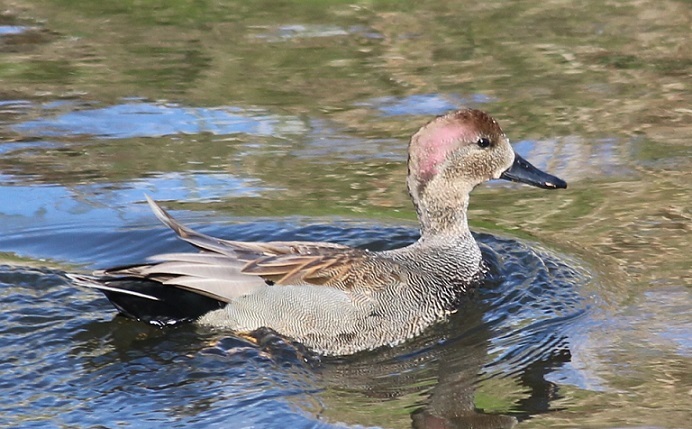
(94, 283)
(243, 251)
(198, 269)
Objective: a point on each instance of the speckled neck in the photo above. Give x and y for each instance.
(445, 219)
(446, 247)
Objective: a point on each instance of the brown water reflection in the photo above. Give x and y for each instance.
(597, 92)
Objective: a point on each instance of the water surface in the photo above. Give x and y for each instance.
(290, 121)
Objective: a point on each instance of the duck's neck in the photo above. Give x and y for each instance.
(448, 249)
(441, 206)
(443, 218)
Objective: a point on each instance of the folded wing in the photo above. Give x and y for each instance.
(225, 269)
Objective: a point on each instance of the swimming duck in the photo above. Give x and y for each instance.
(332, 298)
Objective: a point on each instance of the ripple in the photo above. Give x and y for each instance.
(519, 323)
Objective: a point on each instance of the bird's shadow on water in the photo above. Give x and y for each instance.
(514, 326)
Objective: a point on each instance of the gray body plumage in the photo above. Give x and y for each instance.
(337, 321)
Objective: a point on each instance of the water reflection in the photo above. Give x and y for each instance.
(8, 30)
(99, 203)
(141, 119)
(423, 104)
(307, 31)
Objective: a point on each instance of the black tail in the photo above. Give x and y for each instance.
(150, 301)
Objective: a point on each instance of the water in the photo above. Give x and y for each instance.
(290, 122)
(81, 366)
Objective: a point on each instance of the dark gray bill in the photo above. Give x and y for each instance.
(522, 171)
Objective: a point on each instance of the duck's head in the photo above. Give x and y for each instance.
(453, 153)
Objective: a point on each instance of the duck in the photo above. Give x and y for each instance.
(331, 298)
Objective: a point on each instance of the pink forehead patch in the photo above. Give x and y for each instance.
(437, 143)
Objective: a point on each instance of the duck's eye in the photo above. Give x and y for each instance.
(483, 142)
